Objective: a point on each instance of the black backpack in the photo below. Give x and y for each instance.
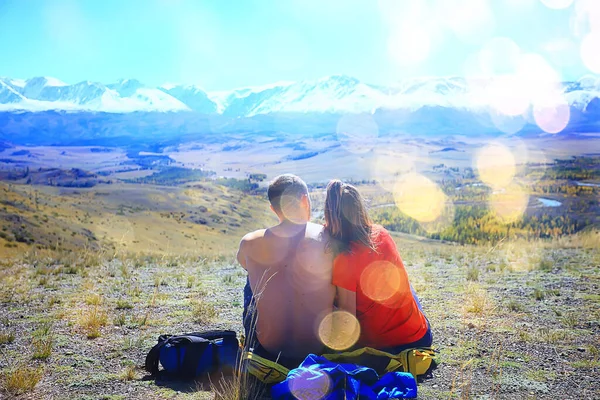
(191, 355)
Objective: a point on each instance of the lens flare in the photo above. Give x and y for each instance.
(444, 220)
(409, 45)
(538, 78)
(590, 51)
(496, 165)
(509, 204)
(357, 133)
(470, 20)
(557, 4)
(507, 96)
(292, 207)
(381, 280)
(339, 330)
(499, 56)
(552, 115)
(310, 383)
(586, 17)
(386, 168)
(419, 197)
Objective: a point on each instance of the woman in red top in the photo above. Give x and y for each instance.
(371, 281)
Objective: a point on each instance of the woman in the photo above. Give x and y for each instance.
(370, 277)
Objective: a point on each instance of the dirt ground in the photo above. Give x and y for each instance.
(516, 321)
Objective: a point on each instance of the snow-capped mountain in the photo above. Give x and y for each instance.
(337, 94)
(43, 93)
(192, 96)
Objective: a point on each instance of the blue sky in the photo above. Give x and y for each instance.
(225, 44)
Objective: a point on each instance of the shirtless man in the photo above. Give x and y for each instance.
(289, 272)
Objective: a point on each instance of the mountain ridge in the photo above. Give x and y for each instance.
(338, 94)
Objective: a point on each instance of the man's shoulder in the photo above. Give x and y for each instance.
(254, 235)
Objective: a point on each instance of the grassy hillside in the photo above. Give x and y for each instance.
(205, 219)
(91, 276)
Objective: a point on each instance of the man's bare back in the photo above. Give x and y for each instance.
(290, 275)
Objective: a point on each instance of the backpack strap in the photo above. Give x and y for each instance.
(151, 364)
(193, 353)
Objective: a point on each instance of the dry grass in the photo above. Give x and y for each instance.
(7, 337)
(123, 305)
(477, 301)
(128, 373)
(91, 320)
(42, 342)
(93, 299)
(473, 273)
(203, 311)
(22, 379)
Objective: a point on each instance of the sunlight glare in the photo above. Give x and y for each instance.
(339, 330)
(419, 197)
(387, 167)
(443, 221)
(381, 281)
(310, 383)
(409, 45)
(507, 95)
(470, 20)
(590, 52)
(509, 203)
(290, 208)
(500, 55)
(496, 165)
(557, 4)
(538, 78)
(552, 115)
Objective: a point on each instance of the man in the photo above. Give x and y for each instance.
(289, 273)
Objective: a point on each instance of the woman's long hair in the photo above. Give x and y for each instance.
(346, 218)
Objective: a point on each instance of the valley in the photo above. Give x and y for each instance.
(118, 227)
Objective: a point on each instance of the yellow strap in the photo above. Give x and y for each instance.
(266, 371)
(396, 360)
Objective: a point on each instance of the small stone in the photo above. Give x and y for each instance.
(470, 325)
(435, 386)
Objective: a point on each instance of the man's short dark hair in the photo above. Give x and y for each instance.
(287, 184)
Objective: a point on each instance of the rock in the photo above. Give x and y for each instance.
(470, 325)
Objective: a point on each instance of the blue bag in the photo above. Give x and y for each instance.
(189, 356)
